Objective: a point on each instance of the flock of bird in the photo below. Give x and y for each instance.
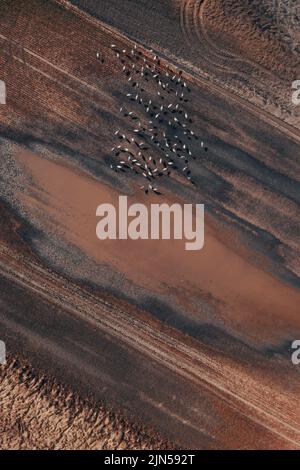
(161, 137)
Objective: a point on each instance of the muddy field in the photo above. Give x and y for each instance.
(37, 413)
(248, 47)
(196, 345)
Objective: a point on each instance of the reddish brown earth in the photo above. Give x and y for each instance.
(248, 47)
(37, 413)
(194, 345)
